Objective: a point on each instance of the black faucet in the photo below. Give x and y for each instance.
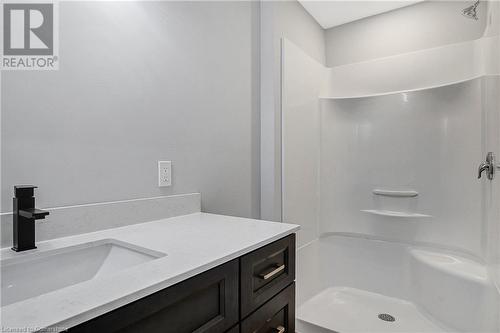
(24, 216)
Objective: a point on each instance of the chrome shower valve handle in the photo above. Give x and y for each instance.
(488, 166)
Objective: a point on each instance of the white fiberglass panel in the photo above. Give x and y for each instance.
(427, 141)
(491, 189)
(301, 82)
(423, 69)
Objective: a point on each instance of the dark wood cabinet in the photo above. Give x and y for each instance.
(265, 272)
(277, 315)
(235, 329)
(205, 303)
(254, 293)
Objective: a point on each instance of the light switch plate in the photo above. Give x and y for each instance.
(164, 173)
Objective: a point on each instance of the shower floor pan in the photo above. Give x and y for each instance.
(345, 282)
(344, 309)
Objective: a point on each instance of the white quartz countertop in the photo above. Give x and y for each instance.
(192, 243)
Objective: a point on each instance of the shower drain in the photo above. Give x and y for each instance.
(386, 317)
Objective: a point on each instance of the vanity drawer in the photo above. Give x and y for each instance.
(276, 316)
(265, 272)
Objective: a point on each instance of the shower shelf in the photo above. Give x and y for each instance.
(397, 92)
(391, 213)
(413, 72)
(397, 194)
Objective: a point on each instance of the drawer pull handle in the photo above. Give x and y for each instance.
(280, 329)
(268, 275)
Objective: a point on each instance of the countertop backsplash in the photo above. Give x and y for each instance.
(73, 220)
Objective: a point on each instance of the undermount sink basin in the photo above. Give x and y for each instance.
(38, 273)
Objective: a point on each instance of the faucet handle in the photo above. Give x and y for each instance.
(24, 191)
(483, 167)
(489, 166)
(33, 213)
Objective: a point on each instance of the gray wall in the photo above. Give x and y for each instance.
(424, 25)
(280, 19)
(140, 82)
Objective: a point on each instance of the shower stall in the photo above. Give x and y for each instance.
(389, 166)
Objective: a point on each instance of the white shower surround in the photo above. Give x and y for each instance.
(419, 70)
(443, 95)
(430, 141)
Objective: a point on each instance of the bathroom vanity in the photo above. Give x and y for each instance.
(192, 273)
(253, 293)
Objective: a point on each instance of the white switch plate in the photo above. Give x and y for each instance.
(164, 173)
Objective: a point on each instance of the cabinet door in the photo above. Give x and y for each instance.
(205, 303)
(235, 329)
(276, 316)
(265, 272)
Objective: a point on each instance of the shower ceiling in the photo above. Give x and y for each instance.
(333, 13)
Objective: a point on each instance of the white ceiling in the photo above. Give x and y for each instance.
(331, 13)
